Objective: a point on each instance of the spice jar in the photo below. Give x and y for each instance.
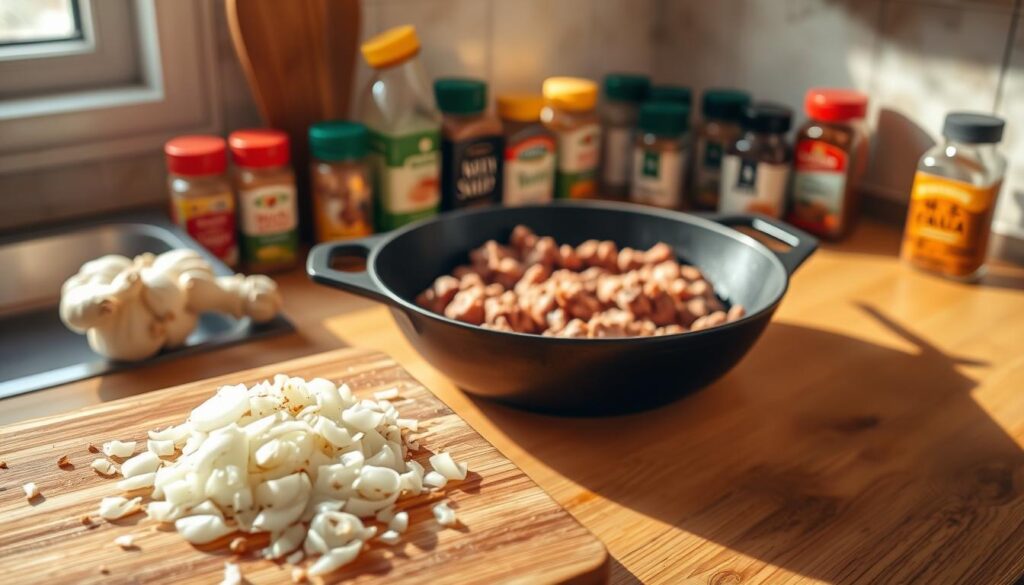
(623, 94)
(721, 110)
(529, 151)
(201, 198)
(398, 108)
(829, 161)
(660, 155)
(341, 181)
(266, 199)
(569, 113)
(755, 169)
(471, 145)
(954, 197)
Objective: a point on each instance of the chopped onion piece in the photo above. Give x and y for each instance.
(31, 490)
(446, 466)
(162, 511)
(103, 466)
(202, 529)
(118, 507)
(409, 423)
(125, 541)
(389, 537)
(232, 575)
(400, 522)
(435, 479)
(145, 462)
(119, 448)
(225, 407)
(389, 394)
(160, 448)
(335, 558)
(136, 482)
(285, 542)
(445, 516)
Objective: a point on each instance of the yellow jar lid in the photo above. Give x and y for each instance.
(570, 93)
(391, 46)
(521, 107)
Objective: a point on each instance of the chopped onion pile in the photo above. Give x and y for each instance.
(305, 461)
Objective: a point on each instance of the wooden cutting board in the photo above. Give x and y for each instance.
(511, 531)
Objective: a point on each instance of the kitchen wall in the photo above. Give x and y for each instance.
(917, 59)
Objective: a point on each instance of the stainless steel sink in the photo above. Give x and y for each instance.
(36, 350)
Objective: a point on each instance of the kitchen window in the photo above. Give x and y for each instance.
(90, 79)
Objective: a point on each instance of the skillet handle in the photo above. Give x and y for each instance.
(802, 244)
(318, 266)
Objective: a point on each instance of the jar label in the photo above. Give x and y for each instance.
(408, 176)
(210, 220)
(618, 147)
(658, 177)
(948, 224)
(577, 162)
(819, 185)
(530, 171)
(749, 186)
(342, 209)
(708, 173)
(471, 175)
(269, 217)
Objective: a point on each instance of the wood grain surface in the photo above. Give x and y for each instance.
(875, 434)
(509, 529)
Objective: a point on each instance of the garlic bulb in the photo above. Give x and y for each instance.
(130, 309)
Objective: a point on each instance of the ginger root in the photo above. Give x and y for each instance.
(130, 309)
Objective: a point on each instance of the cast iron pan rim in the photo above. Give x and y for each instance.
(611, 205)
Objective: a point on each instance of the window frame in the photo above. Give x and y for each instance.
(173, 91)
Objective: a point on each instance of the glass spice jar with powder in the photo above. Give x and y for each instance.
(267, 204)
(341, 180)
(530, 150)
(201, 199)
(755, 168)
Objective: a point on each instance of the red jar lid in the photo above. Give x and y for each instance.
(835, 105)
(196, 155)
(259, 147)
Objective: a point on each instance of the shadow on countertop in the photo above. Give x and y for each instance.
(894, 475)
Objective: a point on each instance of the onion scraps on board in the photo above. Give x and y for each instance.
(306, 462)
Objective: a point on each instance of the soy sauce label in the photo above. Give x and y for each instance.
(471, 173)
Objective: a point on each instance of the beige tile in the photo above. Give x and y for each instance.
(1009, 217)
(775, 50)
(534, 39)
(622, 36)
(932, 60)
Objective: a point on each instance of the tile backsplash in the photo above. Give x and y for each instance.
(916, 59)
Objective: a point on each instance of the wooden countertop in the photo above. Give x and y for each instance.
(874, 434)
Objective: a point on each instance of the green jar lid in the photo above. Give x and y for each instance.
(664, 118)
(672, 93)
(626, 87)
(724, 104)
(338, 140)
(458, 95)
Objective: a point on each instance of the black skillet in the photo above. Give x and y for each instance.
(573, 376)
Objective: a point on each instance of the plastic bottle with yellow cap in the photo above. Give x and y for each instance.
(529, 150)
(569, 112)
(404, 126)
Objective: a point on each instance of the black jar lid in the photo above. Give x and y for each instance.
(767, 117)
(724, 104)
(973, 128)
